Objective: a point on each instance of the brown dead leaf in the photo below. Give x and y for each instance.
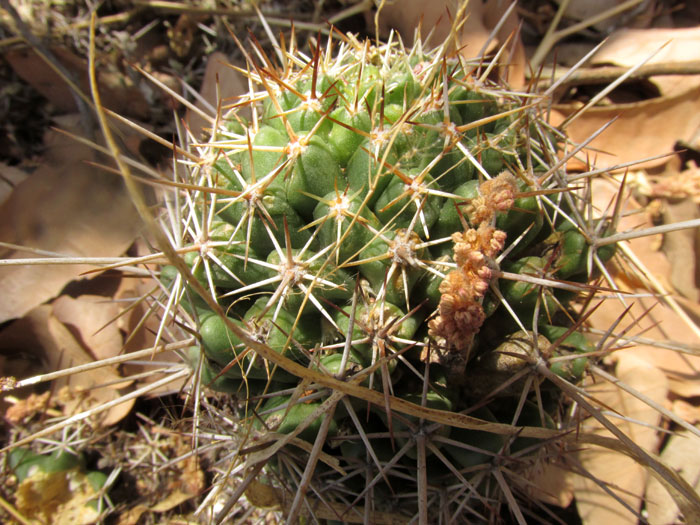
(10, 176)
(171, 501)
(551, 484)
(231, 84)
(656, 125)
(681, 453)
(680, 248)
(133, 306)
(141, 326)
(68, 208)
(678, 185)
(633, 217)
(263, 496)
(625, 477)
(93, 317)
(117, 91)
(628, 47)
(17, 362)
(132, 516)
(648, 316)
(50, 341)
(661, 324)
(141, 329)
(687, 411)
(59, 148)
(437, 17)
(407, 16)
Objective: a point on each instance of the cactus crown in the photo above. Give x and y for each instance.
(389, 218)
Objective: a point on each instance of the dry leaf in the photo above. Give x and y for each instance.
(681, 453)
(263, 496)
(189, 481)
(656, 125)
(407, 16)
(71, 209)
(171, 501)
(628, 47)
(647, 316)
(25, 409)
(39, 329)
(680, 248)
(59, 148)
(675, 185)
(625, 477)
(550, 484)
(481, 18)
(230, 85)
(687, 411)
(116, 90)
(142, 334)
(10, 176)
(661, 324)
(93, 317)
(132, 516)
(633, 217)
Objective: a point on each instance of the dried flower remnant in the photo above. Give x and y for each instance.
(460, 312)
(495, 195)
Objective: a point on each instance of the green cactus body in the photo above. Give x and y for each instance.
(369, 184)
(288, 417)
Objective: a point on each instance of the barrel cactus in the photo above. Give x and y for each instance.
(381, 252)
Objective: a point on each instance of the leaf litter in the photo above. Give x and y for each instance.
(34, 217)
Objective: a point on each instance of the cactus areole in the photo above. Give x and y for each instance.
(390, 217)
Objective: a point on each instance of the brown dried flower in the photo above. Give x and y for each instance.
(460, 313)
(497, 194)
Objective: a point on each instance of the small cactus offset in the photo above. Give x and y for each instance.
(387, 220)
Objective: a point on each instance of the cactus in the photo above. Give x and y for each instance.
(379, 274)
(389, 220)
